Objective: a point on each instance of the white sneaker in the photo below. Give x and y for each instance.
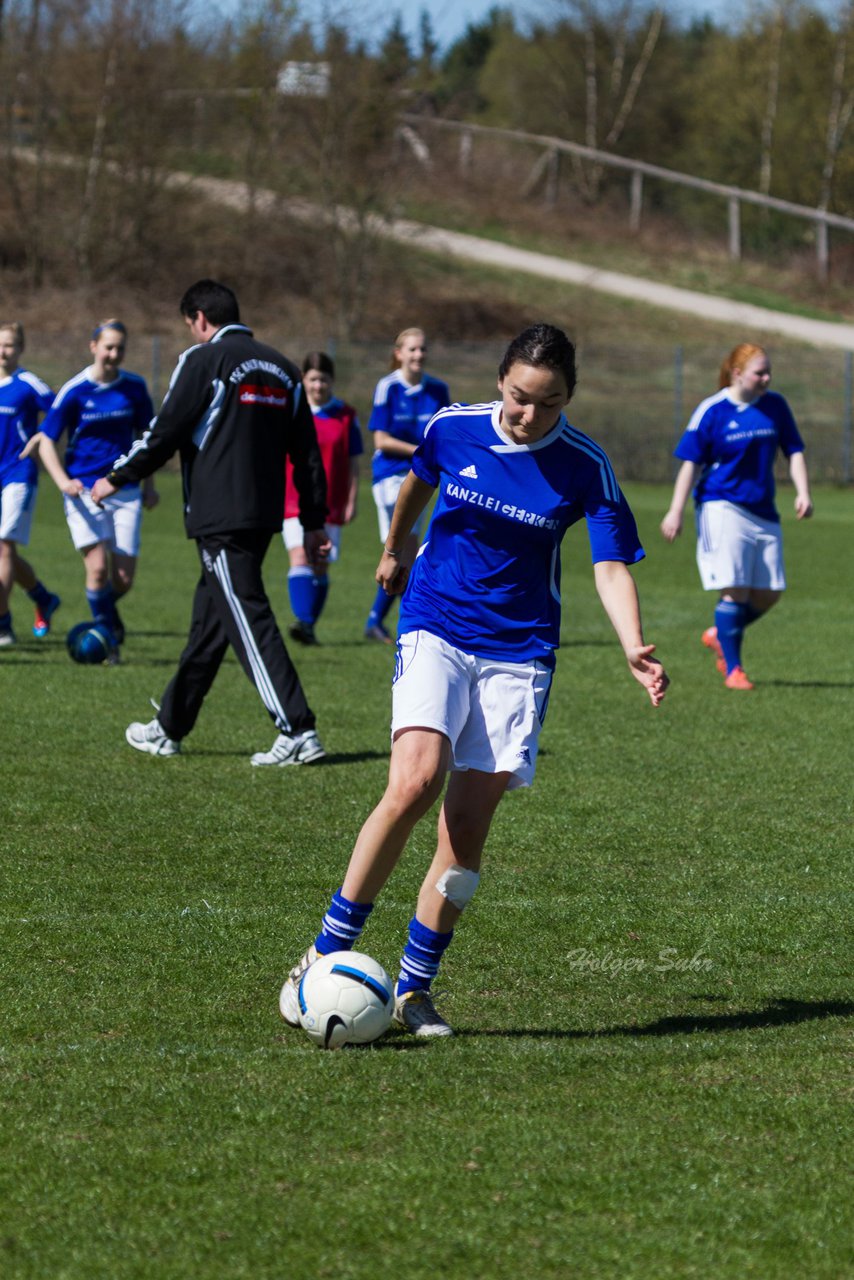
(289, 994)
(302, 748)
(416, 1011)
(7, 638)
(152, 738)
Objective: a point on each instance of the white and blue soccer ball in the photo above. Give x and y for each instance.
(345, 998)
(91, 643)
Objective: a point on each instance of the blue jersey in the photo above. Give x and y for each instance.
(736, 445)
(487, 578)
(102, 420)
(23, 397)
(404, 411)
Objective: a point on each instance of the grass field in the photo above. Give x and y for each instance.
(651, 988)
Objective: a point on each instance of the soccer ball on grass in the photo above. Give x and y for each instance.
(91, 643)
(345, 998)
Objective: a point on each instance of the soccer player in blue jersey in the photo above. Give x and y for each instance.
(404, 402)
(479, 627)
(102, 411)
(23, 398)
(728, 452)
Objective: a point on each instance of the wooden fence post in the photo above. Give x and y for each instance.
(465, 153)
(734, 229)
(821, 249)
(636, 201)
(553, 179)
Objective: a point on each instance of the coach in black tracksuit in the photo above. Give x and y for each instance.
(234, 408)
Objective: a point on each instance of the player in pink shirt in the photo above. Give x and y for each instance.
(340, 439)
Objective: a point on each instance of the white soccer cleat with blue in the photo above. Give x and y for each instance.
(289, 994)
(416, 1011)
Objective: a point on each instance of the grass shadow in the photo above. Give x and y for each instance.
(779, 1013)
(806, 684)
(331, 758)
(139, 632)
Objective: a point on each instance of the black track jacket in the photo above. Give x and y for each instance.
(234, 408)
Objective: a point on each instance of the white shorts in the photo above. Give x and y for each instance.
(17, 504)
(385, 496)
(293, 536)
(117, 523)
(738, 549)
(490, 711)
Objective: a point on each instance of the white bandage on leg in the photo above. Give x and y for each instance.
(458, 884)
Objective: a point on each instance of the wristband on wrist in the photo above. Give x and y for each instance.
(395, 555)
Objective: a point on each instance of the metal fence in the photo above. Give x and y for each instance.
(634, 399)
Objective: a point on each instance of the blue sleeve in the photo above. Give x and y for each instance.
(424, 461)
(145, 410)
(37, 402)
(790, 437)
(381, 413)
(695, 445)
(687, 449)
(613, 532)
(61, 416)
(355, 445)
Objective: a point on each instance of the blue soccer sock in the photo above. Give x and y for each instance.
(40, 595)
(103, 605)
(6, 621)
(421, 957)
(380, 608)
(730, 620)
(342, 925)
(321, 590)
(301, 593)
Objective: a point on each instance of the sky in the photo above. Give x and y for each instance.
(450, 18)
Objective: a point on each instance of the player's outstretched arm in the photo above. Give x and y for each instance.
(393, 570)
(686, 478)
(617, 591)
(52, 465)
(800, 479)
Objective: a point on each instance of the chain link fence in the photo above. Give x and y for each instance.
(633, 399)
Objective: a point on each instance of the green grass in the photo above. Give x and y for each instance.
(651, 987)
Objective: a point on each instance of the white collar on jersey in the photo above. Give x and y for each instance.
(509, 445)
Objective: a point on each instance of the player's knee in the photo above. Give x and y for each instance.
(764, 600)
(458, 884)
(415, 792)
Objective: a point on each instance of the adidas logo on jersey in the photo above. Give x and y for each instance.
(90, 404)
(470, 473)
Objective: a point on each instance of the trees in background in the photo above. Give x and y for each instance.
(100, 99)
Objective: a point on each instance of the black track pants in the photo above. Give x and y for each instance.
(230, 607)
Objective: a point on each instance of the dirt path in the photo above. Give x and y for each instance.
(741, 315)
